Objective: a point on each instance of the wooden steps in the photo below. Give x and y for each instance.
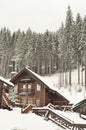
(6, 101)
(57, 118)
(27, 108)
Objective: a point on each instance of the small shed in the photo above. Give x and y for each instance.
(4, 82)
(80, 107)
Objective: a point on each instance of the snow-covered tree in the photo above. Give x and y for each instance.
(77, 43)
(69, 40)
(83, 45)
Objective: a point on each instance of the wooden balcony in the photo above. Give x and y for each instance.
(25, 91)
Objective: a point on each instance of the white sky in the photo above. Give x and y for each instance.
(39, 15)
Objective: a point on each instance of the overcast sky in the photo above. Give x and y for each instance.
(39, 15)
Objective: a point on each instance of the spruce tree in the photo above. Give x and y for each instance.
(77, 44)
(83, 46)
(69, 40)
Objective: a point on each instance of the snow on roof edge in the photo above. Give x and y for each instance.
(6, 81)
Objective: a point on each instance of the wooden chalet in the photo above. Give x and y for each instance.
(4, 85)
(80, 107)
(31, 89)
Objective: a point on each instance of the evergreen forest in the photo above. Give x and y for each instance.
(46, 53)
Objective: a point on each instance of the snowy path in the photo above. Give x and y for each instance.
(14, 120)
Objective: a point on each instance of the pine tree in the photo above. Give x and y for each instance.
(83, 46)
(5, 45)
(69, 40)
(48, 54)
(77, 44)
(20, 50)
(61, 55)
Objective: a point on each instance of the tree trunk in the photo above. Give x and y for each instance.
(63, 74)
(50, 65)
(78, 65)
(82, 76)
(60, 80)
(46, 66)
(60, 77)
(85, 70)
(38, 66)
(66, 77)
(43, 68)
(70, 75)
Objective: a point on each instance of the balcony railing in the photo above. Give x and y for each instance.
(27, 91)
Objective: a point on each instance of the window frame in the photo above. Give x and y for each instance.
(38, 102)
(38, 87)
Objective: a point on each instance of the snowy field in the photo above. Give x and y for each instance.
(14, 120)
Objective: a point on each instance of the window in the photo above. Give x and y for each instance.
(38, 102)
(24, 86)
(10, 90)
(30, 101)
(29, 86)
(38, 87)
(16, 89)
(23, 100)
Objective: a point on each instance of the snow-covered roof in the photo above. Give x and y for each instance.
(43, 80)
(6, 81)
(79, 104)
(49, 84)
(53, 83)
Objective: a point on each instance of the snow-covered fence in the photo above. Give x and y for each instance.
(58, 118)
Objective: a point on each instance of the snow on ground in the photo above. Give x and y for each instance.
(14, 120)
